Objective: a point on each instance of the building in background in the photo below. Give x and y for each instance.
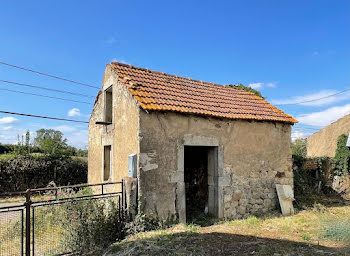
(324, 142)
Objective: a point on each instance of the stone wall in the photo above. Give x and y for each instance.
(324, 142)
(252, 158)
(122, 134)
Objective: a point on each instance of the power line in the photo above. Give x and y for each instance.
(49, 75)
(44, 117)
(46, 96)
(307, 101)
(47, 89)
(304, 128)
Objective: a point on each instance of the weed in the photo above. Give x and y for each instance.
(252, 222)
(305, 237)
(317, 207)
(193, 228)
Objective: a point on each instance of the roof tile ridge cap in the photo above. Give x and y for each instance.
(180, 77)
(166, 74)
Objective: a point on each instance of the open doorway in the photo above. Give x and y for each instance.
(200, 168)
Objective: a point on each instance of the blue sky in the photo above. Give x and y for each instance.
(290, 50)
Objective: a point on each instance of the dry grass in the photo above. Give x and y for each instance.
(317, 231)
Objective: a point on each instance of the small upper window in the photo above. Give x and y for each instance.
(109, 105)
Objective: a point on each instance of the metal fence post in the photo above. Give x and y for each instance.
(27, 204)
(123, 196)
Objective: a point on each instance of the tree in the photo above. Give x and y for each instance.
(299, 148)
(342, 156)
(27, 139)
(51, 142)
(246, 88)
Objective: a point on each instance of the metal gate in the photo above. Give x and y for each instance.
(34, 227)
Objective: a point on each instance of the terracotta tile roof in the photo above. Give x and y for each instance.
(159, 91)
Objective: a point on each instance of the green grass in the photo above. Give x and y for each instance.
(316, 231)
(336, 230)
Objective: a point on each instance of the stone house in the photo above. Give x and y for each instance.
(201, 147)
(324, 142)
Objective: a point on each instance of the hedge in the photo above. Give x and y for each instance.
(23, 172)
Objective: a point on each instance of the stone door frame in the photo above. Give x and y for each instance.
(215, 171)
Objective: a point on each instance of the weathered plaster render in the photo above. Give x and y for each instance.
(252, 158)
(324, 142)
(122, 134)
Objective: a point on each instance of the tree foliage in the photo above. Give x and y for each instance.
(51, 142)
(342, 156)
(299, 148)
(246, 88)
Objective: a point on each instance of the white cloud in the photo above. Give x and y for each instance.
(6, 128)
(255, 85)
(78, 138)
(65, 128)
(74, 112)
(320, 98)
(260, 85)
(298, 135)
(119, 60)
(8, 120)
(325, 117)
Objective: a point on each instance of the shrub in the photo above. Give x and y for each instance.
(23, 172)
(91, 225)
(342, 156)
(143, 223)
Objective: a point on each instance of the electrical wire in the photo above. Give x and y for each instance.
(45, 96)
(307, 101)
(44, 117)
(49, 75)
(47, 89)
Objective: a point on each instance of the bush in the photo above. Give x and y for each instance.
(342, 156)
(143, 223)
(91, 225)
(23, 172)
(6, 148)
(312, 177)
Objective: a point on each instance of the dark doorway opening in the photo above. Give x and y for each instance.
(196, 181)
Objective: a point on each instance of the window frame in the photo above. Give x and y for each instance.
(108, 105)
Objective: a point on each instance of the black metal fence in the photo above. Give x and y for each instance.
(38, 224)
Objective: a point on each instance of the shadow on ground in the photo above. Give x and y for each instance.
(193, 243)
